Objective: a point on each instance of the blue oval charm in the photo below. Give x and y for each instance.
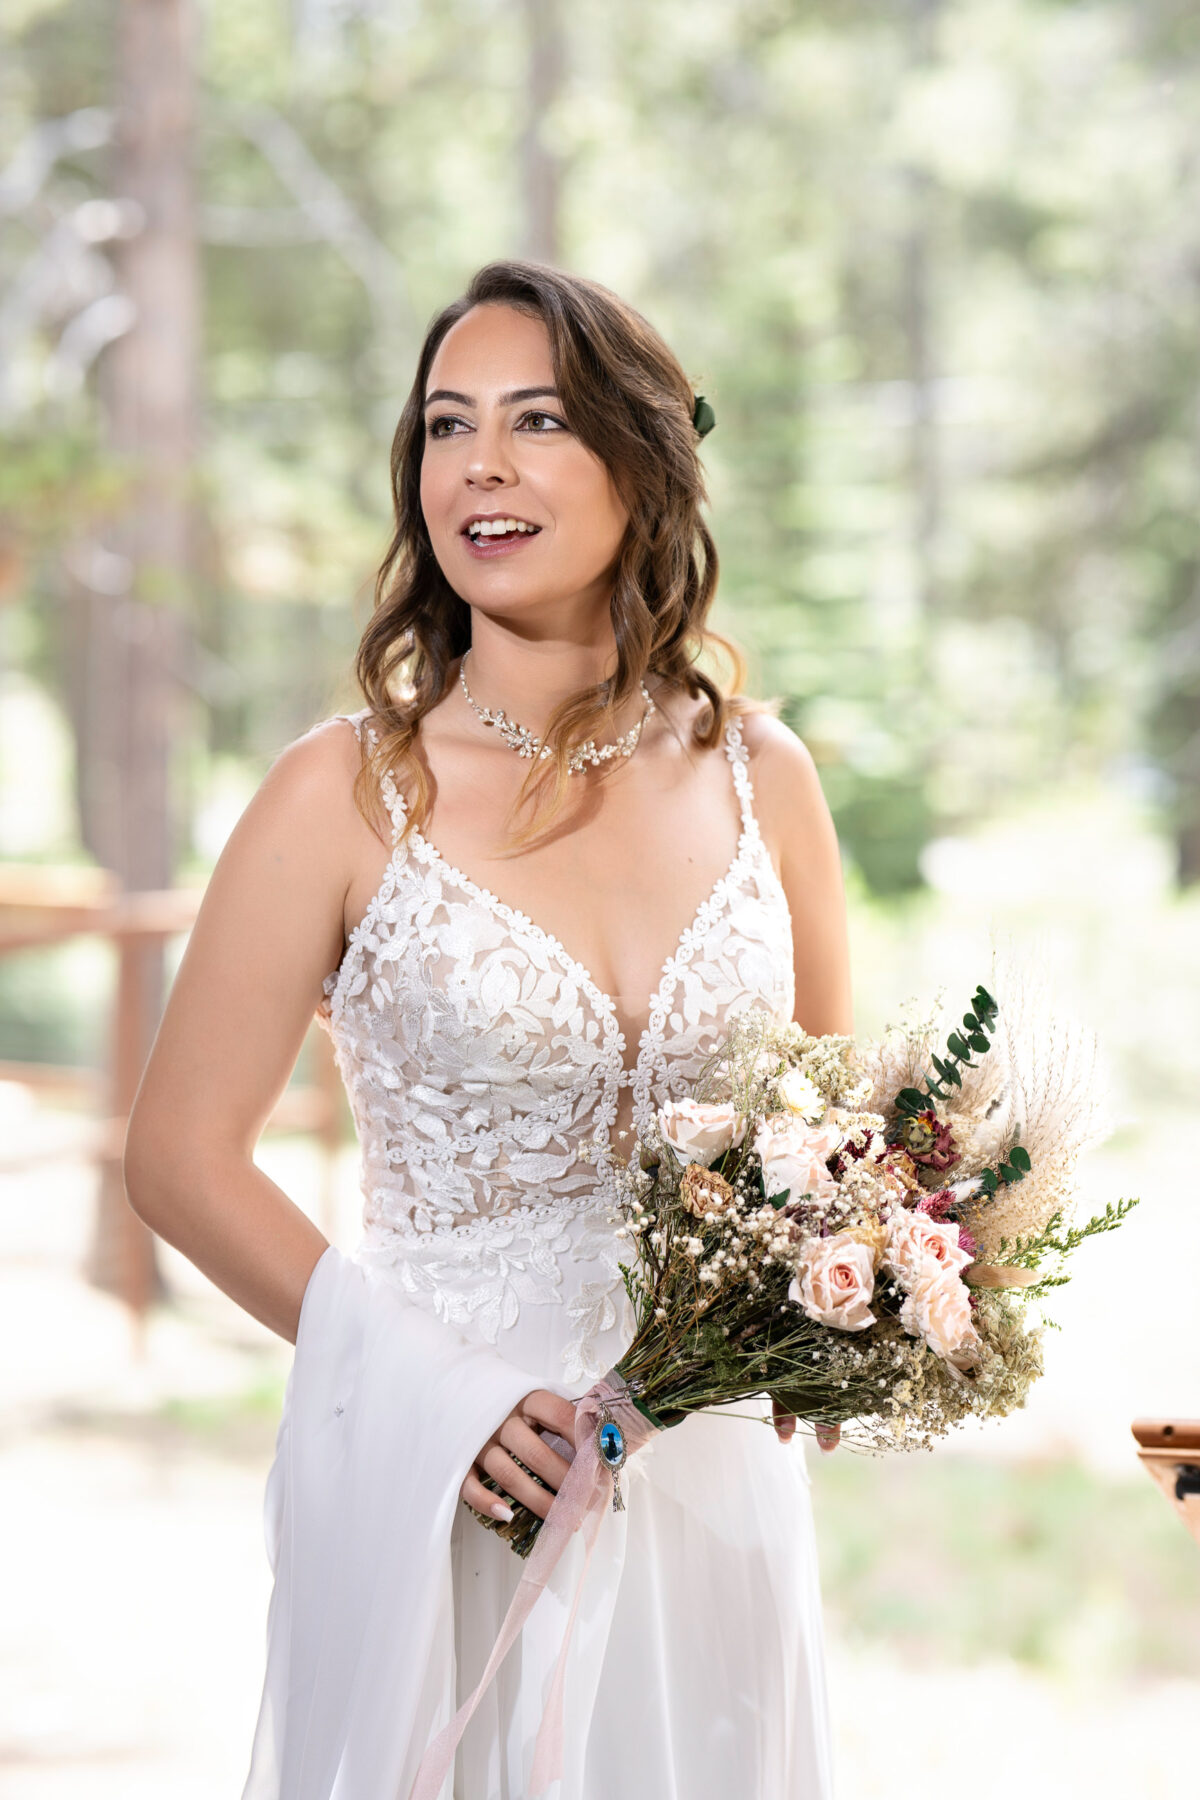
(612, 1444)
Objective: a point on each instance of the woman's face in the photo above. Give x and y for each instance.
(498, 449)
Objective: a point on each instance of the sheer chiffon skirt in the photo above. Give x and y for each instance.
(696, 1668)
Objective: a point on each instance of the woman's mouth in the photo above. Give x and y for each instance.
(498, 537)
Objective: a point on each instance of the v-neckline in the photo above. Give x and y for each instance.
(579, 971)
(605, 1002)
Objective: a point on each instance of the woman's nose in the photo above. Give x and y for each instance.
(489, 459)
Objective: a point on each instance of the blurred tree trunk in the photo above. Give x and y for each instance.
(917, 303)
(1182, 710)
(134, 634)
(540, 165)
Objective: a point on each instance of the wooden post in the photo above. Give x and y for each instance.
(129, 696)
(122, 1258)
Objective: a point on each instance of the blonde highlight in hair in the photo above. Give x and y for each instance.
(628, 400)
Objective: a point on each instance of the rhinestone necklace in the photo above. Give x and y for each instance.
(522, 740)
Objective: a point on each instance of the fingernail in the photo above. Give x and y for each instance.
(500, 1511)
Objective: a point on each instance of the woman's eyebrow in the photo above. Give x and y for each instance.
(511, 399)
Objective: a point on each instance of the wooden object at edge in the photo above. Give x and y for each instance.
(1163, 1459)
(40, 908)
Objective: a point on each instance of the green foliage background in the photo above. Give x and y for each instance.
(935, 264)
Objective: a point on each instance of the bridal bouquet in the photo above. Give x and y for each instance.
(862, 1231)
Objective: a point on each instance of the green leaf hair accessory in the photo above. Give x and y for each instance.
(703, 416)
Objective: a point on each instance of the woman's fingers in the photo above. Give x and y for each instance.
(493, 1506)
(828, 1436)
(521, 1434)
(784, 1422)
(534, 1451)
(544, 1408)
(500, 1466)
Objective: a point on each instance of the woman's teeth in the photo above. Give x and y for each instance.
(498, 527)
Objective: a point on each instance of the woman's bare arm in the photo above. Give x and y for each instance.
(269, 929)
(797, 826)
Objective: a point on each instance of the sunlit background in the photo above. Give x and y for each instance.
(936, 263)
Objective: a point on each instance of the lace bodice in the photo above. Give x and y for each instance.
(480, 1057)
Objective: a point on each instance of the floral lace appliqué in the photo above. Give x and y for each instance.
(479, 1059)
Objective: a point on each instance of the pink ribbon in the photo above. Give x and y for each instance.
(579, 1505)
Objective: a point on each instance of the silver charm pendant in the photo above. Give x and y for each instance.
(610, 1442)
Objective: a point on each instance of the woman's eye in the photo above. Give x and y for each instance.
(538, 424)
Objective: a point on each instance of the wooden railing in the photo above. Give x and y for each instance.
(41, 908)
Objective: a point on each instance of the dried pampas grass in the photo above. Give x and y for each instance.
(1048, 1094)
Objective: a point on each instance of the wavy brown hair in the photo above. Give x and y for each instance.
(626, 397)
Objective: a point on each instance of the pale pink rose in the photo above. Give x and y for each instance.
(700, 1130)
(794, 1157)
(939, 1310)
(837, 1282)
(920, 1248)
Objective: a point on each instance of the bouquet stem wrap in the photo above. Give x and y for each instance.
(580, 1504)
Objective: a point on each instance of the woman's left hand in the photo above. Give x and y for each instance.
(828, 1436)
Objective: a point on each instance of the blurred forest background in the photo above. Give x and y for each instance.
(938, 266)
(936, 263)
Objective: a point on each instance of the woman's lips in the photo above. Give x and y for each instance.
(484, 548)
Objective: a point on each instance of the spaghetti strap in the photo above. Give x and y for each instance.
(368, 737)
(739, 757)
(358, 720)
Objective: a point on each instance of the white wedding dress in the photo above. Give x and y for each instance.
(479, 1058)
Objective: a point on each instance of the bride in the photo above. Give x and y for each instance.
(518, 957)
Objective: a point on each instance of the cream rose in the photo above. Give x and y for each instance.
(919, 1248)
(800, 1094)
(794, 1157)
(837, 1282)
(700, 1130)
(939, 1310)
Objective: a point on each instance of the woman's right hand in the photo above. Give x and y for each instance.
(519, 1436)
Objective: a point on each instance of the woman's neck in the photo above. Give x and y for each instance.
(527, 681)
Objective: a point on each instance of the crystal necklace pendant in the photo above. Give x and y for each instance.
(523, 741)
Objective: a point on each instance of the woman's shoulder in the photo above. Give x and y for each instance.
(775, 751)
(789, 800)
(312, 778)
(324, 751)
(776, 758)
